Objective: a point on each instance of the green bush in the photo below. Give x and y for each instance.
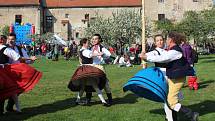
(5, 30)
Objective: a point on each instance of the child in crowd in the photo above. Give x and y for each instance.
(124, 61)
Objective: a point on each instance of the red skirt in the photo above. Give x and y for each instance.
(85, 76)
(16, 79)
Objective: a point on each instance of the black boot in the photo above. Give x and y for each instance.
(193, 116)
(2, 107)
(174, 115)
(110, 100)
(10, 105)
(88, 97)
(106, 104)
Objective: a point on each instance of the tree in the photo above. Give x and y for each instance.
(199, 26)
(191, 25)
(5, 30)
(123, 25)
(208, 17)
(47, 37)
(164, 26)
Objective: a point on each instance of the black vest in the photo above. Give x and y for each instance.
(178, 68)
(85, 60)
(20, 51)
(3, 58)
(160, 65)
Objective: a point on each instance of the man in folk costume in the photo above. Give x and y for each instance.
(14, 78)
(11, 43)
(177, 68)
(87, 77)
(97, 60)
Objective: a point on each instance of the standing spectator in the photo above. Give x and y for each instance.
(118, 46)
(137, 51)
(74, 49)
(43, 49)
(188, 54)
(66, 53)
(56, 52)
(111, 49)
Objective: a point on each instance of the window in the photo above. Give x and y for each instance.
(160, 1)
(77, 34)
(161, 17)
(49, 24)
(18, 19)
(195, 0)
(66, 15)
(87, 16)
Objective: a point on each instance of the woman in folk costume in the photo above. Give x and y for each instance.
(97, 61)
(15, 78)
(159, 50)
(87, 77)
(177, 69)
(188, 54)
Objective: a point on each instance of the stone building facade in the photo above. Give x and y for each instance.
(21, 12)
(68, 18)
(69, 22)
(174, 9)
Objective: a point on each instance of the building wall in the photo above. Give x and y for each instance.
(174, 9)
(76, 17)
(29, 15)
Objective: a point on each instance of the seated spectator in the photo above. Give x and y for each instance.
(124, 61)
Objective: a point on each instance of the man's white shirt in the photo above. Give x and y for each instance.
(25, 55)
(13, 55)
(164, 57)
(86, 52)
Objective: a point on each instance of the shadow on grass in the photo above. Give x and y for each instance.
(42, 109)
(204, 84)
(207, 57)
(208, 61)
(203, 108)
(127, 99)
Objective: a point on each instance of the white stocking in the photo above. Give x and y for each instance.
(16, 100)
(168, 112)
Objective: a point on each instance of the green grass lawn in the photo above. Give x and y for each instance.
(51, 100)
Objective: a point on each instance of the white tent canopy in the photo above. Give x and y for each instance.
(58, 40)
